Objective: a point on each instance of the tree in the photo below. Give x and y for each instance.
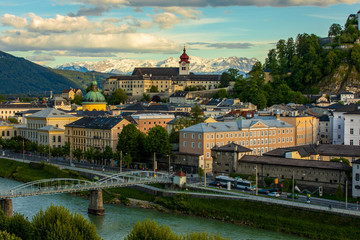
(66, 149)
(127, 159)
(58, 223)
(222, 93)
(145, 98)
(197, 115)
(98, 156)
(339, 193)
(131, 141)
(13, 120)
(89, 154)
(157, 141)
(151, 230)
(108, 154)
(2, 98)
(117, 97)
(335, 30)
(154, 89)
(229, 76)
(201, 172)
(77, 99)
(4, 235)
(156, 98)
(78, 154)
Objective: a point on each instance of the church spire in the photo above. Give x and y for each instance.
(184, 64)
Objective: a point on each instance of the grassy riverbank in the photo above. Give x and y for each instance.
(304, 223)
(25, 172)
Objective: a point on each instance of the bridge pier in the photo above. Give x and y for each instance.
(6, 206)
(96, 203)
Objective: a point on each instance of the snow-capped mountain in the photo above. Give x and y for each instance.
(197, 65)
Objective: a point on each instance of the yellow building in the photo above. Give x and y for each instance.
(306, 129)
(7, 130)
(94, 100)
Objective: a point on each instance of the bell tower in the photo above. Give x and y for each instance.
(184, 64)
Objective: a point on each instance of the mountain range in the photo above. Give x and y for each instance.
(198, 65)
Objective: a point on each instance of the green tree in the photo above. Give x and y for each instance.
(8, 236)
(131, 141)
(58, 223)
(66, 149)
(355, 56)
(145, 98)
(108, 154)
(77, 99)
(127, 160)
(201, 172)
(154, 89)
(157, 141)
(78, 154)
(89, 154)
(222, 93)
(342, 159)
(20, 226)
(13, 120)
(2, 98)
(339, 193)
(197, 115)
(335, 30)
(98, 156)
(117, 97)
(151, 230)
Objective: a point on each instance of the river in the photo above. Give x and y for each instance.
(118, 219)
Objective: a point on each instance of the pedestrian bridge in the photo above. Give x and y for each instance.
(69, 185)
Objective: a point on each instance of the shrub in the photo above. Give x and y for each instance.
(151, 230)
(268, 181)
(7, 236)
(58, 223)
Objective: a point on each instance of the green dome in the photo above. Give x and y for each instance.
(94, 97)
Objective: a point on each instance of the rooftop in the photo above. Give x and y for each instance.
(50, 113)
(231, 147)
(96, 123)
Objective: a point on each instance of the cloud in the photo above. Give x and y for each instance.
(134, 22)
(166, 20)
(95, 11)
(89, 42)
(186, 12)
(14, 21)
(40, 58)
(59, 24)
(224, 45)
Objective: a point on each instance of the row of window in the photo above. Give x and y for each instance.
(352, 142)
(352, 131)
(244, 143)
(6, 112)
(243, 134)
(164, 122)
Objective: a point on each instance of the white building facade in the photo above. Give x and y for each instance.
(356, 179)
(352, 128)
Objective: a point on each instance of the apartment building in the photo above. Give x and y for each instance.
(96, 132)
(7, 130)
(9, 110)
(306, 129)
(352, 128)
(356, 179)
(259, 135)
(46, 127)
(146, 121)
(324, 129)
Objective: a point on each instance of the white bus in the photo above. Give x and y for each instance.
(243, 184)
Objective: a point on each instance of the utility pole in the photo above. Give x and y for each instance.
(256, 179)
(293, 180)
(169, 164)
(346, 193)
(49, 151)
(204, 173)
(154, 162)
(23, 149)
(121, 161)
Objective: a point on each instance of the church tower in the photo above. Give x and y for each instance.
(184, 64)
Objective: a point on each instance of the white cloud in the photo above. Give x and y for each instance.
(166, 20)
(59, 24)
(14, 21)
(186, 12)
(88, 42)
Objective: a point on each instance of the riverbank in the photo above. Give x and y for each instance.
(314, 225)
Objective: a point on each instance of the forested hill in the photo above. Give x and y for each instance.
(18, 75)
(307, 66)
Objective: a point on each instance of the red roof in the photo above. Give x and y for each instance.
(184, 57)
(180, 174)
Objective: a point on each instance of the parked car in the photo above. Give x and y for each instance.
(263, 191)
(273, 194)
(295, 196)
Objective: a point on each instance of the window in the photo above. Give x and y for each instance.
(193, 145)
(212, 136)
(351, 142)
(207, 136)
(351, 131)
(199, 145)
(208, 145)
(222, 136)
(199, 136)
(54, 138)
(8, 133)
(227, 135)
(59, 138)
(357, 177)
(184, 143)
(339, 126)
(207, 155)
(339, 136)
(193, 136)
(184, 135)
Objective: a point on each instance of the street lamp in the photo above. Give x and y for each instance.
(293, 183)
(204, 172)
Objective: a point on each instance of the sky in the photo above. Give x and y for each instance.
(53, 32)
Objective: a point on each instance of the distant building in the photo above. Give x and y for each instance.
(94, 132)
(259, 135)
(70, 93)
(147, 121)
(324, 129)
(7, 130)
(356, 179)
(46, 127)
(94, 100)
(352, 128)
(165, 79)
(9, 110)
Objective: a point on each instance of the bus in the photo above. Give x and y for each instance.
(224, 180)
(243, 184)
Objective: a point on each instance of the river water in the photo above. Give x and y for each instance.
(118, 219)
